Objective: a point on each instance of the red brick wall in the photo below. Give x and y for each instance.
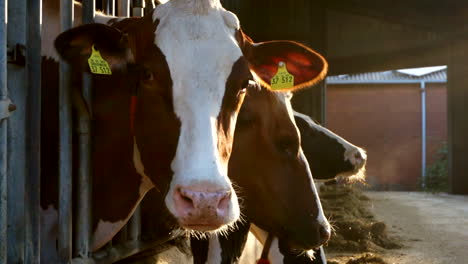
(386, 120)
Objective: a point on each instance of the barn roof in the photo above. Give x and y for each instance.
(427, 74)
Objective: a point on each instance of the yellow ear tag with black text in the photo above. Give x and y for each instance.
(97, 64)
(282, 79)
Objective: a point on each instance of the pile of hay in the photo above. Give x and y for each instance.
(356, 229)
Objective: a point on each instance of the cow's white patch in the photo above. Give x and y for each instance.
(200, 49)
(322, 255)
(350, 150)
(146, 183)
(214, 251)
(49, 235)
(106, 230)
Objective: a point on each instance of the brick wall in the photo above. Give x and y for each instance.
(385, 119)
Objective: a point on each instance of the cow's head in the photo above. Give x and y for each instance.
(274, 177)
(189, 65)
(330, 155)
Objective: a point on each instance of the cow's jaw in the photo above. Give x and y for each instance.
(200, 50)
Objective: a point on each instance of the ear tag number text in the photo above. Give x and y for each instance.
(282, 79)
(97, 64)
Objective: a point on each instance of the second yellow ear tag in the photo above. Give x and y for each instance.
(282, 79)
(97, 64)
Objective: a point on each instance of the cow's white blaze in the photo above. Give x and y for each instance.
(197, 39)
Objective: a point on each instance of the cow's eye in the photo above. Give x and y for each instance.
(147, 75)
(288, 147)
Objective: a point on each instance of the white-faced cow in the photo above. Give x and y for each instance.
(273, 176)
(167, 112)
(327, 152)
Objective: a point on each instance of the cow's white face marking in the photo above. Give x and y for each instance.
(197, 38)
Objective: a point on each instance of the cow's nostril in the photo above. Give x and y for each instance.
(223, 204)
(324, 233)
(358, 155)
(184, 200)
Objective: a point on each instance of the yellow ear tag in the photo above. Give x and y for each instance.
(97, 64)
(282, 79)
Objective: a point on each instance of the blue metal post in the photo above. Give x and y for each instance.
(3, 134)
(33, 180)
(65, 146)
(17, 135)
(83, 218)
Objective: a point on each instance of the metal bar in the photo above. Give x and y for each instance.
(134, 225)
(138, 8)
(84, 207)
(423, 133)
(124, 8)
(3, 134)
(65, 146)
(109, 7)
(17, 136)
(89, 7)
(33, 142)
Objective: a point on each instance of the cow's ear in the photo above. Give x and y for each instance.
(78, 44)
(306, 66)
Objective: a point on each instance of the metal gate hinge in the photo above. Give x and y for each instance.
(17, 55)
(6, 107)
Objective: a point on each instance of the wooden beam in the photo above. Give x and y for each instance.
(457, 96)
(429, 55)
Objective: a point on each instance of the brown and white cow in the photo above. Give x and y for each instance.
(189, 65)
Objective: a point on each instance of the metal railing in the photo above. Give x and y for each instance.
(20, 143)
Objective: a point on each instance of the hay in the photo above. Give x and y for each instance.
(356, 229)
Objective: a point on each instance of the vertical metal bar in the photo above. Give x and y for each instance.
(124, 8)
(109, 7)
(423, 133)
(65, 146)
(134, 225)
(3, 134)
(17, 136)
(138, 8)
(83, 219)
(33, 73)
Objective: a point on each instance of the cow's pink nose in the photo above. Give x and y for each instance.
(202, 209)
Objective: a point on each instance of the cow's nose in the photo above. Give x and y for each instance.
(324, 233)
(201, 209)
(358, 155)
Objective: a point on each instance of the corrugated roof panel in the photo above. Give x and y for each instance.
(439, 75)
